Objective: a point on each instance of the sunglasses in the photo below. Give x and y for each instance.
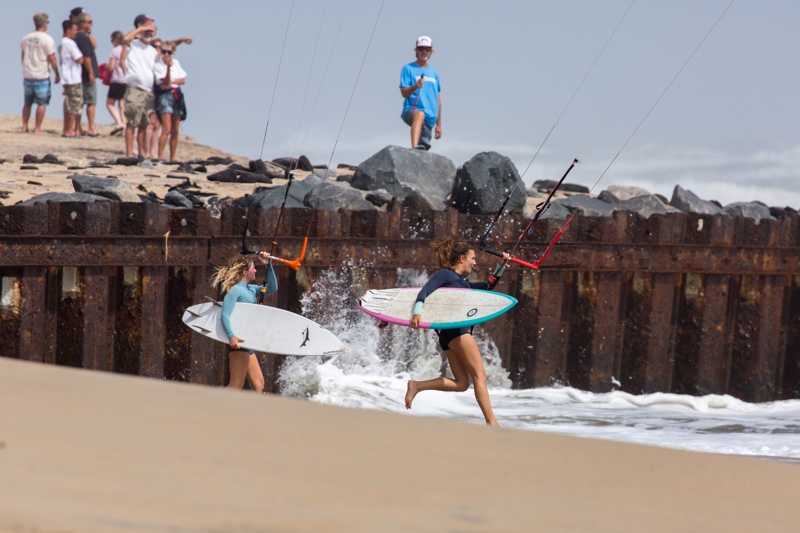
(166, 52)
(424, 48)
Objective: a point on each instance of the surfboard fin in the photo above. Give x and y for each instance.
(203, 330)
(193, 313)
(213, 301)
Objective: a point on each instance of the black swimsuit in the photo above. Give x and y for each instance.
(448, 278)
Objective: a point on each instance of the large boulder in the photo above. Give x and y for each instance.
(689, 202)
(586, 205)
(273, 197)
(755, 210)
(332, 196)
(402, 171)
(646, 205)
(484, 182)
(64, 197)
(111, 188)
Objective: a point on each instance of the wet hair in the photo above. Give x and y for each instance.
(448, 251)
(229, 275)
(117, 38)
(40, 19)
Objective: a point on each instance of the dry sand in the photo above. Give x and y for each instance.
(87, 150)
(84, 451)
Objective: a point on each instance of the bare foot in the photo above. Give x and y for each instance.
(410, 393)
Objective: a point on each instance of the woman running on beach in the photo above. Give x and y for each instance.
(457, 259)
(235, 280)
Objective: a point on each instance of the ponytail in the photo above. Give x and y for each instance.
(448, 251)
(229, 275)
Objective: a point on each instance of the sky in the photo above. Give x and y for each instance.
(539, 81)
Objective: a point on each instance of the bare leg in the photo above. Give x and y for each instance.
(121, 112)
(166, 127)
(239, 363)
(465, 362)
(254, 374)
(26, 117)
(141, 141)
(129, 140)
(153, 134)
(460, 383)
(416, 127)
(112, 110)
(90, 112)
(40, 109)
(173, 137)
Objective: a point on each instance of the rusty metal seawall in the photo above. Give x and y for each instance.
(682, 303)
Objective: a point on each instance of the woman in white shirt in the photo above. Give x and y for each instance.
(169, 98)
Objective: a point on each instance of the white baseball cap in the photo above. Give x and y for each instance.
(424, 41)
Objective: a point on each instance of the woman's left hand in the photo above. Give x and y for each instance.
(263, 257)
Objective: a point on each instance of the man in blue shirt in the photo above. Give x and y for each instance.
(421, 88)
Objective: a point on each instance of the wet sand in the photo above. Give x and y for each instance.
(84, 451)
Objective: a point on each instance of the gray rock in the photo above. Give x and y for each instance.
(325, 174)
(755, 210)
(331, 196)
(378, 198)
(174, 198)
(585, 205)
(273, 197)
(64, 197)
(483, 183)
(111, 188)
(644, 205)
(626, 192)
(402, 171)
(546, 186)
(417, 200)
(689, 202)
(608, 197)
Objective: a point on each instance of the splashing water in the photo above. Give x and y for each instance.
(372, 374)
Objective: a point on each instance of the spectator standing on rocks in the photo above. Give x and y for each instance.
(116, 87)
(38, 57)
(421, 88)
(90, 71)
(169, 99)
(71, 66)
(139, 101)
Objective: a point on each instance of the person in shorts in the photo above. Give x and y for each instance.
(170, 76)
(90, 70)
(235, 280)
(38, 57)
(139, 99)
(71, 66)
(421, 89)
(116, 86)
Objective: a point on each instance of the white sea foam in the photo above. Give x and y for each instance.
(374, 371)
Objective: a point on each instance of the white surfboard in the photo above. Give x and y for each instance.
(264, 329)
(445, 308)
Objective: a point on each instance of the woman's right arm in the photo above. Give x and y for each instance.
(436, 281)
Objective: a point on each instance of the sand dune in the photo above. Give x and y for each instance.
(84, 451)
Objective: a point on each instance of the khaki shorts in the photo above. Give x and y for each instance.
(73, 97)
(139, 105)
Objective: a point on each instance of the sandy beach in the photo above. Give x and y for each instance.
(84, 451)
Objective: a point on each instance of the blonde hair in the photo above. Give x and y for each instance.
(229, 275)
(448, 251)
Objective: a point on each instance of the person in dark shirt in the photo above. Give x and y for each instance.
(90, 72)
(457, 259)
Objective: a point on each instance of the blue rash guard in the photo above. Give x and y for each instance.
(242, 292)
(427, 98)
(446, 278)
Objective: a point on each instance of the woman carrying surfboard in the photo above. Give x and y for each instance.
(235, 280)
(457, 259)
